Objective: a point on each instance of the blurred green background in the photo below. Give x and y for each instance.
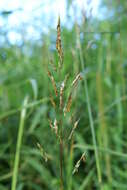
(94, 43)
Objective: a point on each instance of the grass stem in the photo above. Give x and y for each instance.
(18, 145)
(89, 110)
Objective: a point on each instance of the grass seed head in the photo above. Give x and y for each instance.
(53, 82)
(55, 127)
(52, 102)
(50, 124)
(43, 153)
(75, 81)
(62, 87)
(78, 163)
(68, 105)
(58, 42)
(61, 94)
(73, 129)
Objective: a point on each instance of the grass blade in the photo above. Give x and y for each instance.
(19, 143)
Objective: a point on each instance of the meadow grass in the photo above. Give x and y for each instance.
(73, 135)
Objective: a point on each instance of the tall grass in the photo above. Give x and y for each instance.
(62, 109)
(77, 107)
(89, 111)
(18, 145)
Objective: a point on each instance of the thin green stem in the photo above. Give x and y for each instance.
(18, 145)
(89, 110)
(61, 164)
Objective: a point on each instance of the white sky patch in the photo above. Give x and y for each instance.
(7, 5)
(40, 14)
(14, 36)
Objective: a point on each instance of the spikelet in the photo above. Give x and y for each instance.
(50, 124)
(68, 105)
(71, 118)
(61, 94)
(58, 42)
(69, 100)
(78, 163)
(73, 129)
(75, 81)
(62, 87)
(43, 153)
(52, 102)
(53, 82)
(55, 127)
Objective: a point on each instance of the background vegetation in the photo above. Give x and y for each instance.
(96, 47)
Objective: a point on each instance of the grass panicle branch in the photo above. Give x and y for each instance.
(83, 158)
(58, 42)
(61, 109)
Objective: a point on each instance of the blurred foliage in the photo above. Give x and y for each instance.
(23, 71)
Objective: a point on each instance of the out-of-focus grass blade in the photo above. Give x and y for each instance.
(44, 173)
(19, 143)
(33, 83)
(37, 117)
(104, 150)
(86, 180)
(30, 105)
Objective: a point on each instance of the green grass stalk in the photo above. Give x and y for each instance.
(102, 131)
(18, 145)
(89, 110)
